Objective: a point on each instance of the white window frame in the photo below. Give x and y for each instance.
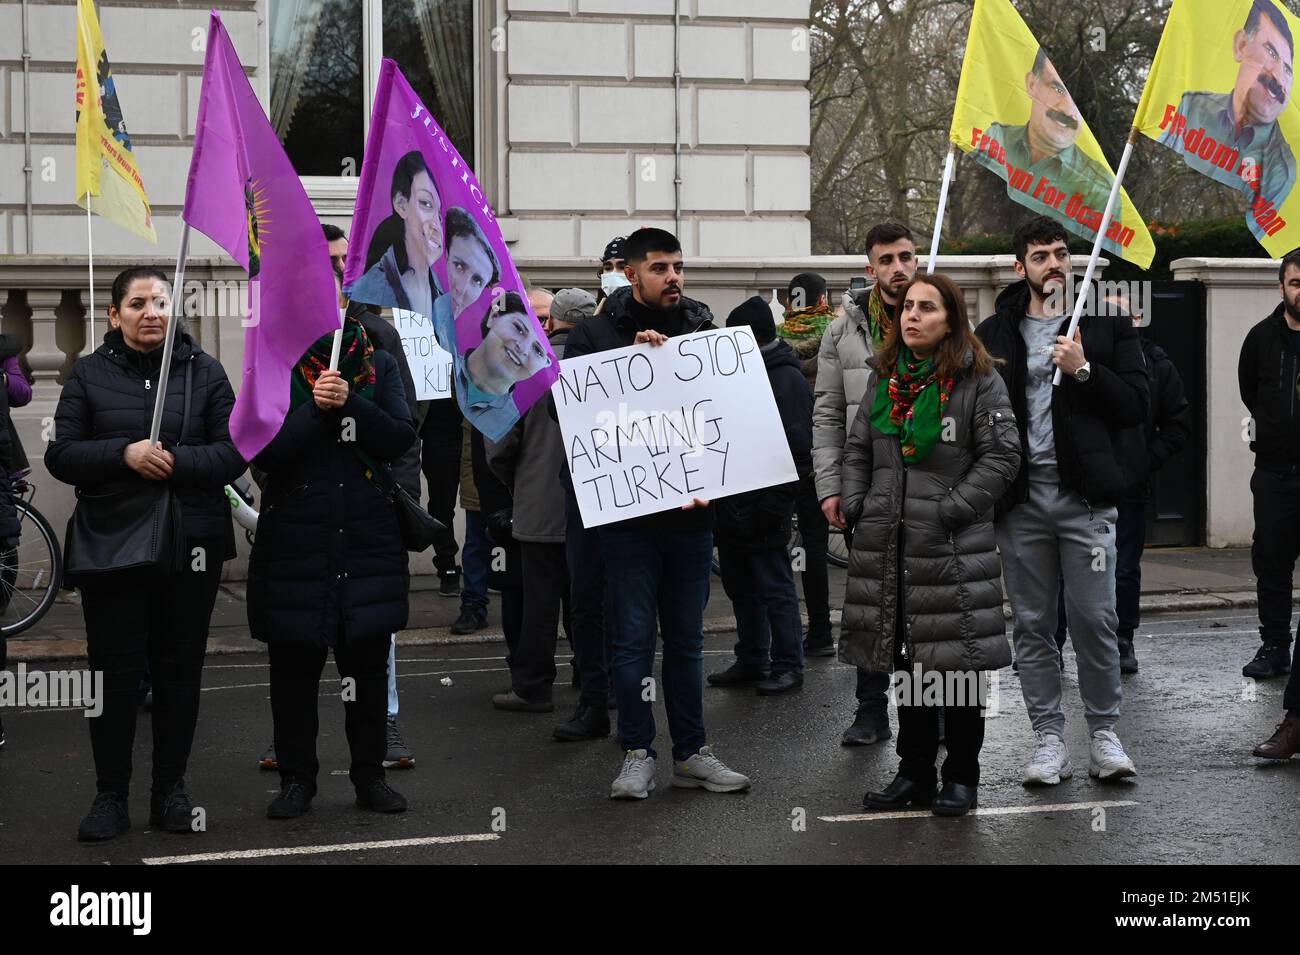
(335, 196)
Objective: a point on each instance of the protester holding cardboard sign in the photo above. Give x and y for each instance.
(657, 565)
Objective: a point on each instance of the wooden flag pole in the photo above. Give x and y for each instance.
(177, 315)
(1081, 299)
(938, 215)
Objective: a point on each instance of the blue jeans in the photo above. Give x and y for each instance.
(475, 557)
(663, 577)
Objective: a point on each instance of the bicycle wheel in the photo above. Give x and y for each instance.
(837, 548)
(30, 573)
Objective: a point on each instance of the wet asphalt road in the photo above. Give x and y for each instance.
(1189, 724)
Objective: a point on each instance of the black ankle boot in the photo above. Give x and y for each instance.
(900, 794)
(955, 799)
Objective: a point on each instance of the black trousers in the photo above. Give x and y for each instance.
(138, 622)
(440, 462)
(1274, 550)
(545, 604)
(872, 686)
(295, 687)
(918, 724)
(588, 606)
(814, 533)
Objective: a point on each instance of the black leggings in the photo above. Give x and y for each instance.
(137, 622)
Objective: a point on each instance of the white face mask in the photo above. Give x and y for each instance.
(612, 281)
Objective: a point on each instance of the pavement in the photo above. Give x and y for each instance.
(491, 788)
(1173, 579)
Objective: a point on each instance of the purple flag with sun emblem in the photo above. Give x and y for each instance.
(244, 194)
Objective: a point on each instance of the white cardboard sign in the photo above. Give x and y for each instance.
(430, 365)
(647, 428)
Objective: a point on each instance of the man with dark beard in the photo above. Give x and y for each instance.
(843, 367)
(657, 566)
(1058, 518)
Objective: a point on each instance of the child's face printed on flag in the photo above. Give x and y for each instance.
(511, 350)
(1054, 121)
(422, 213)
(143, 314)
(469, 269)
(1265, 76)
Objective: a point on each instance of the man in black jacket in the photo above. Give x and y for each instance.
(753, 530)
(1145, 450)
(657, 566)
(1269, 375)
(1058, 517)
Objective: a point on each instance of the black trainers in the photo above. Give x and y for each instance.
(738, 674)
(1128, 661)
(378, 796)
(1270, 661)
(469, 621)
(173, 812)
(294, 799)
(108, 817)
(871, 725)
(589, 721)
(818, 645)
(449, 584)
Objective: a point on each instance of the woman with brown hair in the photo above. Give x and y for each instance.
(934, 445)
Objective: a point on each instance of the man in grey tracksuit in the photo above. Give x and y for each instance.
(1058, 518)
(843, 367)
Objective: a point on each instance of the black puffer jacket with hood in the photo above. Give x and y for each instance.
(1088, 419)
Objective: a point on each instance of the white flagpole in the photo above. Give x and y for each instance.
(938, 215)
(177, 314)
(1081, 298)
(338, 343)
(90, 261)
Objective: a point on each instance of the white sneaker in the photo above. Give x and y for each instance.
(704, 770)
(1109, 761)
(636, 778)
(1050, 763)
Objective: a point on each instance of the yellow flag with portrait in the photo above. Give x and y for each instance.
(1016, 118)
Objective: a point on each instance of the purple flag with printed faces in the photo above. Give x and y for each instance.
(425, 239)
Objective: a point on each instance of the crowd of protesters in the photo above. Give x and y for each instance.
(940, 448)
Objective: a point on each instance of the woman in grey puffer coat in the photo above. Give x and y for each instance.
(933, 446)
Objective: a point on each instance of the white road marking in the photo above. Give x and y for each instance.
(320, 850)
(985, 811)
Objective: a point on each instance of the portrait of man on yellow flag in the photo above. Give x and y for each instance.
(1015, 117)
(1219, 95)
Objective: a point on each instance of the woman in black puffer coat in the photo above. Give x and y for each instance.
(158, 617)
(328, 568)
(933, 447)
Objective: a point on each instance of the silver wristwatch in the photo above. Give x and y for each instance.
(1084, 372)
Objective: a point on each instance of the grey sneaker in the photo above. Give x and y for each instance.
(1108, 760)
(636, 778)
(706, 771)
(399, 755)
(1050, 763)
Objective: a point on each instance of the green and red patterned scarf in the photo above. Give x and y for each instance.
(910, 404)
(356, 365)
(879, 321)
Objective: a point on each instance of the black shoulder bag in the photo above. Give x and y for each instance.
(417, 526)
(129, 524)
